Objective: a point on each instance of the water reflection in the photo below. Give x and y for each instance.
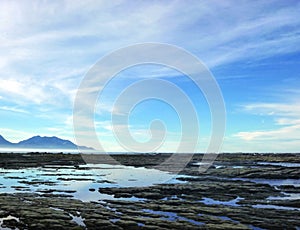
(82, 182)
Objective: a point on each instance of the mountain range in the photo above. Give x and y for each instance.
(41, 142)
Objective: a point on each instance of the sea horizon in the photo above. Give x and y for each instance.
(80, 151)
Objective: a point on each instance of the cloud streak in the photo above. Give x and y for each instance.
(286, 121)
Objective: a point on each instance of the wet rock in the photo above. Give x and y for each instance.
(170, 206)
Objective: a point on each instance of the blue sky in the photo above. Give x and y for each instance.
(252, 48)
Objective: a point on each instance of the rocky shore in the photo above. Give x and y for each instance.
(238, 191)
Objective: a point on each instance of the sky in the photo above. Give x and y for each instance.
(251, 48)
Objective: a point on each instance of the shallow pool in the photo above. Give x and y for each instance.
(81, 182)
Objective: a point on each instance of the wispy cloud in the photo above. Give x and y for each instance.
(290, 132)
(286, 121)
(290, 109)
(232, 34)
(13, 109)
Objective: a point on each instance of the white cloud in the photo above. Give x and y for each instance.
(30, 91)
(13, 109)
(19, 89)
(291, 109)
(291, 132)
(286, 128)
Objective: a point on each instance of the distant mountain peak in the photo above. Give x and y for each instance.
(3, 141)
(42, 142)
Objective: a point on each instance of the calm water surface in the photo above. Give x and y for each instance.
(78, 182)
